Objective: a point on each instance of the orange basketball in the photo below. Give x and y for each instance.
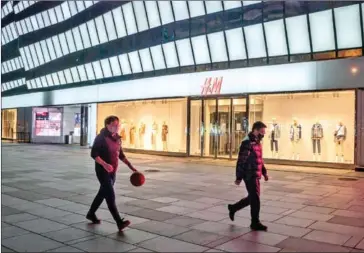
(137, 179)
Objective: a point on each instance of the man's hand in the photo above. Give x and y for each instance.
(266, 178)
(237, 182)
(108, 167)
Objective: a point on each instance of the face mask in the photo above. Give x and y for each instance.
(114, 129)
(260, 136)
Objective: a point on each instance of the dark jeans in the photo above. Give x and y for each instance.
(106, 191)
(275, 142)
(253, 199)
(316, 143)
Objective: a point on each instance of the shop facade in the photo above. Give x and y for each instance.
(312, 111)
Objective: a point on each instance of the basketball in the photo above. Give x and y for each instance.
(137, 179)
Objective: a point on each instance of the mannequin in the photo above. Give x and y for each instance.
(317, 134)
(295, 137)
(165, 136)
(154, 135)
(123, 130)
(132, 134)
(340, 137)
(274, 135)
(141, 134)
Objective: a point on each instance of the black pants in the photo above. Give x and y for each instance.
(275, 142)
(316, 143)
(253, 199)
(107, 192)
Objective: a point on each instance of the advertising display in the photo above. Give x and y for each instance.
(77, 126)
(47, 121)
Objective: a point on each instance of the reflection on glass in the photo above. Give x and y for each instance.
(223, 128)
(210, 128)
(239, 126)
(196, 130)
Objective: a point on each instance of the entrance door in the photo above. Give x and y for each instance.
(210, 128)
(239, 124)
(223, 135)
(359, 149)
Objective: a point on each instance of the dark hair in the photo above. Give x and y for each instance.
(110, 120)
(258, 125)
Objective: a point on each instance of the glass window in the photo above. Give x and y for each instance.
(158, 58)
(44, 82)
(129, 18)
(47, 21)
(73, 7)
(34, 22)
(170, 54)
(82, 72)
(200, 49)
(180, 10)
(75, 76)
(217, 47)
(322, 31)
(165, 9)
(119, 22)
(66, 10)
(68, 75)
(16, 62)
(59, 13)
(62, 78)
(146, 59)
(347, 21)
(40, 20)
(213, 6)
(135, 62)
(55, 78)
(80, 6)
(97, 69)
(306, 133)
(29, 57)
(34, 55)
(52, 16)
(101, 29)
(49, 80)
(110, 27)
(71, 42)
(106, 67)
(196, 8)
(140, 15)
(63, 42)
(57, 46)
(124, 62)
(85, 36)
(115, 66)
(13, 64)
(23, 25)
(51, 49)
(252, 14)
(231, 4)
(255, 41)
(89, 3)
(185, 52)
(77, 37)
(235, 44)
(89, 71)
(93, 33)
(20, 30)
(46, 55)
(297, 33)
(276, 39)
(39, 53)
(153, 14)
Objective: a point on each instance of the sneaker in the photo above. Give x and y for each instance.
(93, 218)
(231, 212)
(123, 225)
(258, 227)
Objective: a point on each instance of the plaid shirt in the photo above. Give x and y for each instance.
(250, 160)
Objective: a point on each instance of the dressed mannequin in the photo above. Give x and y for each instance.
(340, 137)
(123, 130)
(317, 133)
(141, 135)
(165, 136)
(154, 135)
(274, 135)
(295, 134)
(132, 134)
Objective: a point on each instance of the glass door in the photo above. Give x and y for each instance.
(210, 128)
(240, 124)
(223, 126)
(196, 128)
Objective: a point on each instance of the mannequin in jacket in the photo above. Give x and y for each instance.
(274, 135)
(295, 137)
(317, 134)
(340, 137)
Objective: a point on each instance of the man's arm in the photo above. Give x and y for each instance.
(123, 158)
(244, 153)
(95, 154)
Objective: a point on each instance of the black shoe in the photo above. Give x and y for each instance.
(123, 224)
(231, 212)
(93, 218)
(258, 227)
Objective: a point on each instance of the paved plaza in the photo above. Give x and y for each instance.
(47, 190)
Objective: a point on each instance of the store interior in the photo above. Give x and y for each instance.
(156, 125)
(8, 124)
(307, 126)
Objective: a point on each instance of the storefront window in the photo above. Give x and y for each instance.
(158, 125)
(9, 119)
(307, 126)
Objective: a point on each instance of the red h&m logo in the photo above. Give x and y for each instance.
(212, 86)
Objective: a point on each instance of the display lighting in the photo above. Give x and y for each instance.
(354, 70)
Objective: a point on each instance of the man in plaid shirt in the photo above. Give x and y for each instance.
(250, 168)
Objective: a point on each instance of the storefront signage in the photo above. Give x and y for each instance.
(212, 86)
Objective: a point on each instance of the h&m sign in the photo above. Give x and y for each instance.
(212, 86)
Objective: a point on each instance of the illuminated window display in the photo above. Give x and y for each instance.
(47, 121)
(8, 123)
(307, 126)
(158, 125)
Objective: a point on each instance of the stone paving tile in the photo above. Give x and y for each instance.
(184, 221)
(18, 217)
(315, 209)
(133, 236)
(264, 238)
(304, 245)
(206, 215)
(69, 219)
(349, 221)
(353, 241)
(292, 221)
(4, 249)
(263, 216)
(147, 204)
(199, 237)
(355, 208)
(207, 200)
(139, 250)
(104, 229)
(40, 226)
(286, 230)
(191, 204)
(153, 214)
(241, 245)
(54, 202)
(5, 210)
(165, 200)
(30, 243)
(65, 249)
(68, 234)
(360, 245)
(160, 228)
(103, 245)
(312, 216)
(27, 195)
(48, 212)
(348, 213)
(177, 209)
(222, 229)
(337, 228)
(328, 237)
(12, 231)
(165, 244)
